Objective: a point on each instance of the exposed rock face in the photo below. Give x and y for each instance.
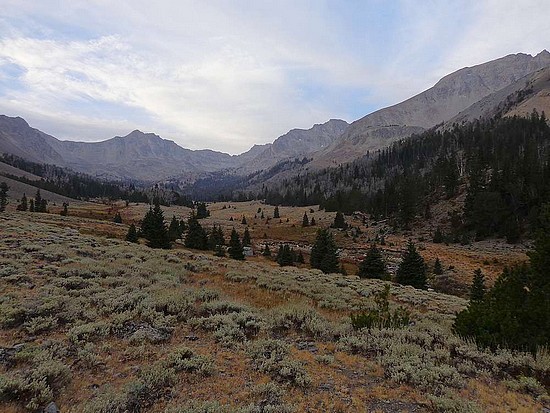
(451, 95)
(295, 143)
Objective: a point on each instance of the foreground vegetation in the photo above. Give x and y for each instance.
(103, 325)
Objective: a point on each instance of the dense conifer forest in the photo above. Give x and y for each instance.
(502, 165)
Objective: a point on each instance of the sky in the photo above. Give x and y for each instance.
(226, 75)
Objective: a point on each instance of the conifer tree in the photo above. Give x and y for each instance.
(276, 213)
(324, 253)
(157, 234)
(412, 269)
(267, 251)
(438, 268)
(131, 235)
(65, 211)
(4, 188)
(117, 218)
(438, 236)
(373, 265)
(247, 242)
(477, 291)
(243, 221)
(202, 211)
(196, 237)
(235, 246)
(300, 258)
(312, 222)
(23, 206)
(31, 205)
(216, 238)
(339, 221)
(38, 202)
(515, 312)
(285, 256)
(305, 220)
(174, 229)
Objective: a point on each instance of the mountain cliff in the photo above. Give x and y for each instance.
(448, 97)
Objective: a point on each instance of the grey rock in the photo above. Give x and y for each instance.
(51, 408)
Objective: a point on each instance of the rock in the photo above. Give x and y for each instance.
(51, 408)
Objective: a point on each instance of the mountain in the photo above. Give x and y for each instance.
(448, 97)
(293, 144)
(148, 157)
(531, 92)
(138, 155)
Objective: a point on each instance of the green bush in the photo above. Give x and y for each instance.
(381, 316)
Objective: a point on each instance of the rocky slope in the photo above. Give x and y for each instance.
(448, 97)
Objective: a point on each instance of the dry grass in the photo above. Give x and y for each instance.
(66, 268)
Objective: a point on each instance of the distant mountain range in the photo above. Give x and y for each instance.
(514, 84)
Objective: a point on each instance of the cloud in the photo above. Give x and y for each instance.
(226, 75)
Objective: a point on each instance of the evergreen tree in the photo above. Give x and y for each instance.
(438, 236)
(438, 268)
(132, 235)
(300, 258)
(324, 254)
(38, 202)
(267, 251)
(31, 205)
(339, 221)
(157, 233)
(219, 251)
(216, 239)
(312, 222)
(412, 269)
(196, 237)
(44, 206)
(174, 229)
(243, 221)
(65, 211)
(117, 218)
(247, 242)
(276, 213)
(285, 256)
(23, 206)
(305, 220)
(146, 224)
(373, 265)
(4, 188)
(477, 291)
(202, 211)
(235, 246)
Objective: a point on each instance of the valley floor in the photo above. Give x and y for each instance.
(97, 324)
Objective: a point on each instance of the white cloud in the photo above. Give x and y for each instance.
(226, 75)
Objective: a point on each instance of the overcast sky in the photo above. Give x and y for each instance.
(225, 75)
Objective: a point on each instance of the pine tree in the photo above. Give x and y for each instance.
(131, 235)
(438, 236)
(276, 213)
(202, 211)
(285, 256)
(305, 220)
(4, 188)
(31, 205)
(235, 246)
(38, 204)
(216, 239)
(23, 206)
(477, 291)
(65, 211)
(117, 218)
(438, 268)
(373, 265)
(247, 242)
(243, 221)
(339, 221)
(266, 252)
(174, 229)
(196, 237)
(157, 234)
(312, 222)
(300, 258)
(324, 253)
(412, 269)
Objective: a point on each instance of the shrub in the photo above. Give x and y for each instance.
(381, 317)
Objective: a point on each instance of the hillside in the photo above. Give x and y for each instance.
(114, 325)
(451, 95)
